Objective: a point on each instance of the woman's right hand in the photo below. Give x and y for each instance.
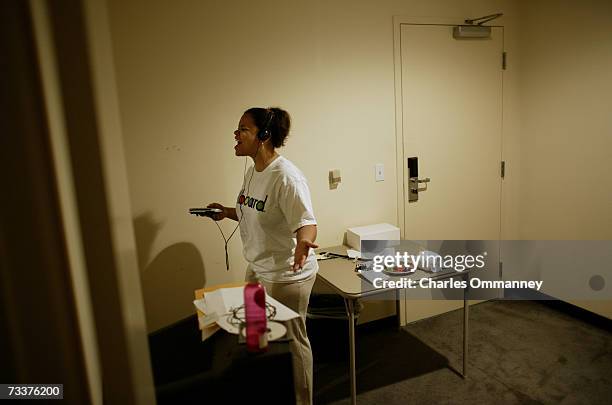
(221, 215)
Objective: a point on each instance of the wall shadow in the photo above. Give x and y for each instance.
(168, 280)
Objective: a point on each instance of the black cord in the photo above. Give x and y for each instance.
(226, 241)
(241, 212)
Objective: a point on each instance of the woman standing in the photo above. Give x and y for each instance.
(277, 227)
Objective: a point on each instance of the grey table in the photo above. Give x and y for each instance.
(340, 275)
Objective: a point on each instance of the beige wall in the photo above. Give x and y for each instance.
(566, 99)
(566, 138)
(187, 69)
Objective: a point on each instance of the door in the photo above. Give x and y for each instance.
(451, 95)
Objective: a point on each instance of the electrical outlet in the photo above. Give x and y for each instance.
(380, 172)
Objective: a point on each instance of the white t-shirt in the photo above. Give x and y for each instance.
(272, 206)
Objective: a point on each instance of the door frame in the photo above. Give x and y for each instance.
(77, 79)
(400, 159)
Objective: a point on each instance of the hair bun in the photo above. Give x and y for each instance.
(275, 119)
(281, 124)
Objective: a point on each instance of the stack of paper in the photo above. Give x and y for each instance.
(215, 309)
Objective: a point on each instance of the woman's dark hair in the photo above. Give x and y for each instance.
(279, 125)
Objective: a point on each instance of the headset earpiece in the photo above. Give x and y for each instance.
(264, 134)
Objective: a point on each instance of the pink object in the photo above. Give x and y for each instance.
(255, 310)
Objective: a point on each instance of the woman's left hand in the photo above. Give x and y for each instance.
(301, 253)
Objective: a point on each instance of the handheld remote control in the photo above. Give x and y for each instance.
(205, 212)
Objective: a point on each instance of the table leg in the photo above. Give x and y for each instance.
(350, 312)
(466, 312)
(398, 308)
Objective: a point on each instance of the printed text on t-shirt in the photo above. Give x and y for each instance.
(252, 202)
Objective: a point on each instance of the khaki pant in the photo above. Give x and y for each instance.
(295, 296)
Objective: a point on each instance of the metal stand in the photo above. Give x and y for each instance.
(398, 308)
(466, 312)
(350, 312)
(350, 304)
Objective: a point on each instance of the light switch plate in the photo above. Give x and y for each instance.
(380, 172)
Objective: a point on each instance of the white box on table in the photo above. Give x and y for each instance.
(383, 231)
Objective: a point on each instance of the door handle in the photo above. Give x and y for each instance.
(414, 181)
(414, 184)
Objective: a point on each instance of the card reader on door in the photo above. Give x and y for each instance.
(414, 181)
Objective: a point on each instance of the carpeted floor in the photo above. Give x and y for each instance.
(521, 352)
